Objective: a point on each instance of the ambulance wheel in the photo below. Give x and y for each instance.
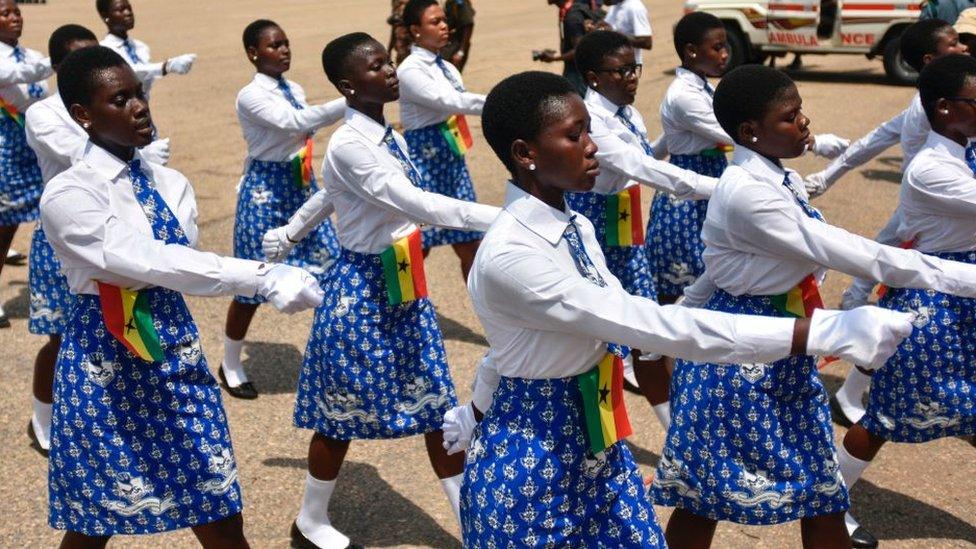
(896, 68)
(739, 51)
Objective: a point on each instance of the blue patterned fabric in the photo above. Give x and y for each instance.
(630, 264)
(289, 95)
(442, 65)
(267, 199)
(34, 89)
(443, 172)
(971, 156)
(130, 51)
(531, 481)
(20, 176)
(621, 115)
(50, 300)
(750, 443)
(371, 369)
(138, 447)
(674, 229)
(927, 390)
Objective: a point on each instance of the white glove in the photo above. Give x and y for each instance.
(289, 289)
(276, 245)
(829, 145)
(816, 184)
(866, 336)
(458, 425)
(157, 151)
(181, 64)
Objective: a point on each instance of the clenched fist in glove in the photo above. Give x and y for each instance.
(181, 64)
(866, 336)
(289, 289)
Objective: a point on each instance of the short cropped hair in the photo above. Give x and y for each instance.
(691, 29)
(336, 54)
(414, 10)
(252, 32)
(519, 107)
(102, 6)
(944, 78)
(57, 45)
(79, 72)
(595, 46)
(747, 93)
(921, 38)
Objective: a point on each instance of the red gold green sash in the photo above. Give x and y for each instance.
(455, 131)
(624, 222)
(11, 112)
(801, 300)
(603, 403)
(301, 165)
(403, 269)
(129, 319)
(717, 150)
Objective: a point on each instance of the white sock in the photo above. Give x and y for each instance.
(233, 368)
(663, 413)
(41, 421)
(850, 396)
(313, 518)
(452, 487)
(851, 469)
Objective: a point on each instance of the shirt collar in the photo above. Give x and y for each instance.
(6, 50)
(536, 215)
(113, 40)
(265, 81)
(691, 78)
(596, 99)
(423, 54)
(760, 166)
(365, 125)
(105, 163)
(942, 143)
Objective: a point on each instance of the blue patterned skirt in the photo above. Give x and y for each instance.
(371, 369)
(927, 390)
(137, 447)
(444, 173)
(630, 264)
(530, 479)
(20, 176)
(750, 443)
(267, 199)
(50, 299)
(674, 229)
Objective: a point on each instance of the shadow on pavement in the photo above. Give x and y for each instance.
(373, 513)
(452, 329)
(18, 307)
(643, 456)
(890, 515)
(273, 367)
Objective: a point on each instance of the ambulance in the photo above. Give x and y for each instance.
(759, 30)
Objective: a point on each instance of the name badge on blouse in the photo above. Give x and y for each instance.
(129, 319)
(301, 165)
(623, 220)
(605, 414)
(457, 134)
(403, 269)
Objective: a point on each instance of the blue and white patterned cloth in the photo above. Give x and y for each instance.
(442, 172)
(927, 389)
(138, 447)
(21, 184)
(371, 369)
(674, 229)
(267, 199)
(630, 264)
(50, 299)
(750, 443)
(531, 481)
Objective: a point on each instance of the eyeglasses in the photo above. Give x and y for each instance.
(626, 71)
(970, 100)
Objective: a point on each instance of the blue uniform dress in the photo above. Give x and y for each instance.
(267, 199)
(50, 299)
(372, 370)
(21, 183)
(442, 171)
(531, 480)
(138, 447)
(750, 443)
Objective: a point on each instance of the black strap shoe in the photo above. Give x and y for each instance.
(862, 539)
(35, 444)
(840, 418)
(244, 391)
(4, 321)
(299, 541)
(14, 258)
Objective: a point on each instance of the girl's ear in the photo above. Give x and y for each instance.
(690, 53)
(942, 107)
(80, 115)
(345, 87)
(748, 133)
(252, 53)
(522, 154)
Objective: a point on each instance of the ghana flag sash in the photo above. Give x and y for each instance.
(403, 269)
(301, 165)
(129, 319)
(456, 133)
(801, 300)
(602, 389)
(717, 150)
(623, 219)
(11, 112)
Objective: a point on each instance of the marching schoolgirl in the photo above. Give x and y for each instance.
(433, 105)
(278, 126)
(375, 365)
(545, 468)
(139, 441)
(751, 442)
(927, 390)
(22, 82)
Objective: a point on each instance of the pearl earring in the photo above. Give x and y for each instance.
(595, 84)
(531, 167)
(945, 111)
(694, 56)
(352, 92)
(86, 125)
(755, 139)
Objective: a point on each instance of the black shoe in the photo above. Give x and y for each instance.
(862, 539)
(35, 444)
(4, 321)
(15, 258)
(299, 541)
(245, 390)
(840, 418)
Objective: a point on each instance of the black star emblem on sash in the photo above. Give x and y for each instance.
(403, 265)
(624, 216)
(603, 393)
(130, 326)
